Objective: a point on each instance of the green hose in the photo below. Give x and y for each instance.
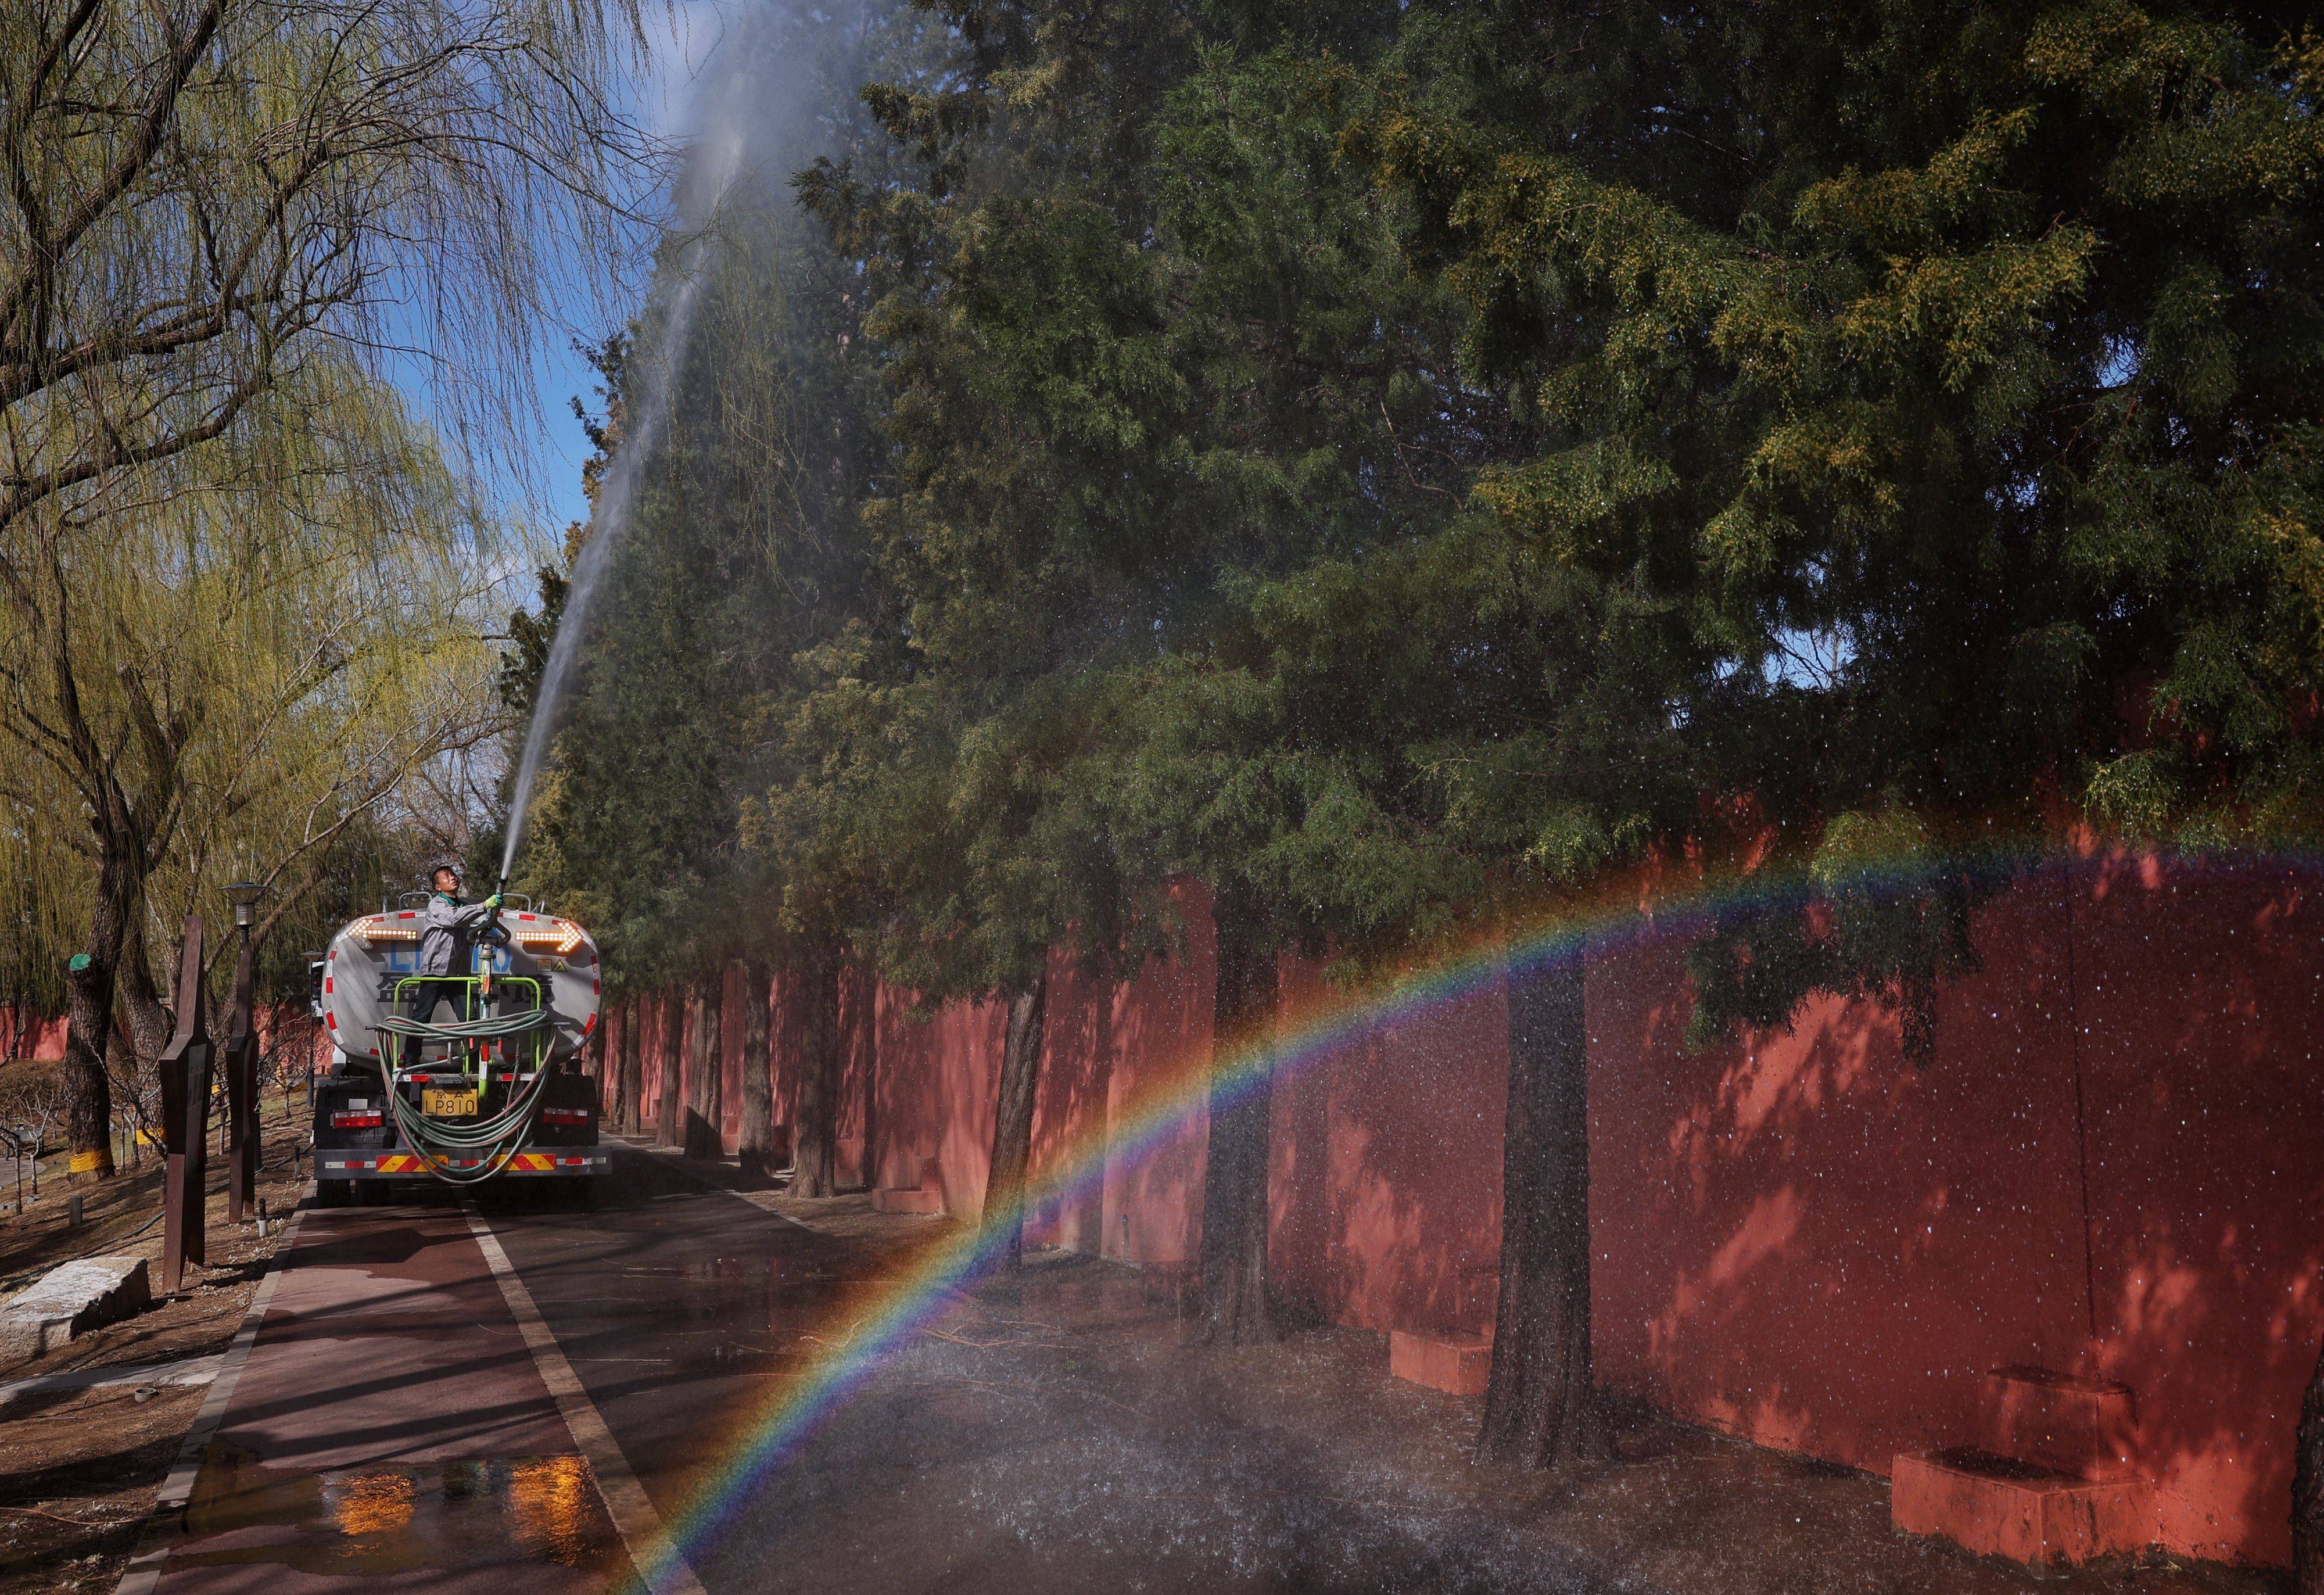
(489, 1028)
(433, 1141)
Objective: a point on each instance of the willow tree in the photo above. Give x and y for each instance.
(281, 668)
(210, 196)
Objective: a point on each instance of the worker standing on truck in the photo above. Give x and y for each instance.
(447, 931)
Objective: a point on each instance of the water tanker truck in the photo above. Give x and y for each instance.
(486, 1086)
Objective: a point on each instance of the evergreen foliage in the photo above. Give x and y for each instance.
(1390, 463)
(1396, 461)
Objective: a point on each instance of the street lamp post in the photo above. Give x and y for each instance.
(242, 1064)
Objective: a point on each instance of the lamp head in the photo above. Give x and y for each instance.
(245, 895)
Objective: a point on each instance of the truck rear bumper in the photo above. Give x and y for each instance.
(395, 1165)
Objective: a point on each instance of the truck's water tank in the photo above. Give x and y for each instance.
(370, 957)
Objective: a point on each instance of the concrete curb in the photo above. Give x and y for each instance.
(167, 1523)
(181, 1372)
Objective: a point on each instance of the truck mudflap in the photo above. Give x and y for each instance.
(400, 1165)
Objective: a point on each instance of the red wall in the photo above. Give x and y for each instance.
(1802, 1237)
(42, 1040)
(36, 1038)
(1809, 1241)
(1387, 1174)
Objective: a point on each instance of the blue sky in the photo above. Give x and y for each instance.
(538, 490)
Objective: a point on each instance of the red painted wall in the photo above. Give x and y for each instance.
(34, 1037)
(2114, 1162)
(938, 1073)
(1386, 1173)
(1810, 1241)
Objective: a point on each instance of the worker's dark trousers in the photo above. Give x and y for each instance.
(419, 1000)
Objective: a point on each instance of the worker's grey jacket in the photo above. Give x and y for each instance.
(444, 934)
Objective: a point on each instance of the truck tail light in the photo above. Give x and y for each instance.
(343, 1119)
(566, 1115)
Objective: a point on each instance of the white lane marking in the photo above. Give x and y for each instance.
(655, 1559)
(168, 1522)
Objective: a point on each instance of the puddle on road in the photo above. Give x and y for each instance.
(398, 1518)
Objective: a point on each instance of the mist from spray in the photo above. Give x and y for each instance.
(609, 521)
(723, 131)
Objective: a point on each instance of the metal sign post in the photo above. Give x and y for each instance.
(185, 1068)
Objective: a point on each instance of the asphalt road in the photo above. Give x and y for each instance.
(392, 1431)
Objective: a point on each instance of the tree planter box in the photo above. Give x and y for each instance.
(1459, 1364)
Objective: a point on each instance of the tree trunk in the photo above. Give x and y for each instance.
(704, 1108)
(149, 1026)
(1235, 1306)
(673, 1064)
(150, 1023)
(1012, 1123)
(757, 1147)
(121, 1068)
(867, 1015)
(89, 1005)
(629, 1074)
(689, 1067)
(2308, 1490)
(618, 1021)
(816, 1156)
(1541, 1405)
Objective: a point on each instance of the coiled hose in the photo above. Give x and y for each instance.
(501, 1136)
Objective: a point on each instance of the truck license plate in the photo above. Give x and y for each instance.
(448, 1104)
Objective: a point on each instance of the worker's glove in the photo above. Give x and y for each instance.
(493, 901)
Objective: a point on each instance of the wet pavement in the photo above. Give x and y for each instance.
(1049, 1437)
(391, 1433)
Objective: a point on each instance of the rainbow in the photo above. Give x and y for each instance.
(913, 1301)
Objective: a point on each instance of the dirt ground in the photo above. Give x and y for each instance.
(78, 1469)
(1684, 1510)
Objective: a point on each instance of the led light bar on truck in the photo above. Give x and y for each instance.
(561, 936)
